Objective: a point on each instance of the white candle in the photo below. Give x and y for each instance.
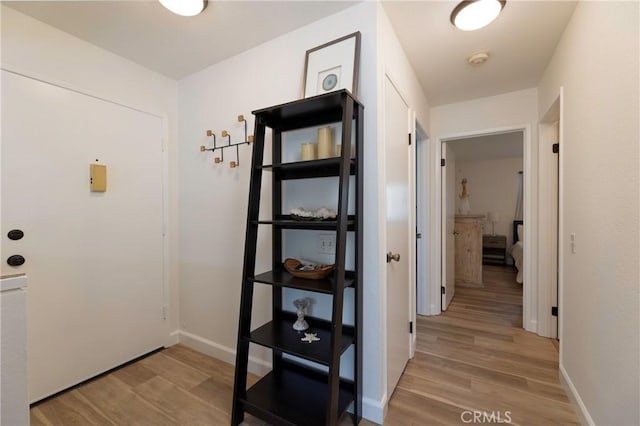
(325, 142)
(339, 150)
(308, 151)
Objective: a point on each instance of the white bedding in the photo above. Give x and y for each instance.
(517, 253)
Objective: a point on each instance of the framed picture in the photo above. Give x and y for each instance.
(333, 66)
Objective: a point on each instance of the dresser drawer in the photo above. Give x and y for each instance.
(494, 241)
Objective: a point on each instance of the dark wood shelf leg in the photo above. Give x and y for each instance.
(246, 299)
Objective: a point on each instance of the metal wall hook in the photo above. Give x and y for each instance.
(248, 139)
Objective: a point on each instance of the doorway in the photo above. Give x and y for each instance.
(483, 145)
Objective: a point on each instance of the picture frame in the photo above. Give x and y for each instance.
(333, 66)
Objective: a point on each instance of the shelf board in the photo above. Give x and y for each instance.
(281, 278)
(294, 396)
(309, 169)
(287, 222)
(309, 112)
(279, 334)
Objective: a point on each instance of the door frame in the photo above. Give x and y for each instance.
(443, 229)
(530, 288)
(423, 218)
(548, 272)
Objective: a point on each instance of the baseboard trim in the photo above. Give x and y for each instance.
(574, 396)
(372, 410)
(224, 353)
(173, 338)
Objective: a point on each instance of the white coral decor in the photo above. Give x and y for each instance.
(321, 213)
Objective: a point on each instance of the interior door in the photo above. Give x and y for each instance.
(398, 199)
(449, 222)
(94, 260)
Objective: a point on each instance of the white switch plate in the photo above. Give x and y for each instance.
(327, 243)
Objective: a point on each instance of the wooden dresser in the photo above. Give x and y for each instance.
(468, 247)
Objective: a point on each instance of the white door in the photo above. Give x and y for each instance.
(94, 260)
(398, 205)
(448, 228)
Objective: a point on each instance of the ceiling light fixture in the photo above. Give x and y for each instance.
(472, 15)
(185, 7)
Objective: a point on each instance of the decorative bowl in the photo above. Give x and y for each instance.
(321, 271)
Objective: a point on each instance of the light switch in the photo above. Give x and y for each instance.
(98, 176)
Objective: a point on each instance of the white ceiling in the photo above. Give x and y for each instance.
(488, 147)
(520, 42)
(144, 32)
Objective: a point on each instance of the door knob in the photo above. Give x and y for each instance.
(393, 256)
(456, 233)
(15, 260)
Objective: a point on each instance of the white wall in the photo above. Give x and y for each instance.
(493, 187)
(33, 48)
(487, 115)
(596, 62)
(214, 198)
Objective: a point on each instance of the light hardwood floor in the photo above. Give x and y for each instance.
(473, 357)
(476, 357)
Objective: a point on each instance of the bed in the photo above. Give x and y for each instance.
(517, 250)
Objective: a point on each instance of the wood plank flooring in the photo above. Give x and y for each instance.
(474, 357)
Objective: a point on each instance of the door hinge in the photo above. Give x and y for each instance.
(409, 138)
(554, 311)
(555, 148)
(164, 312)
(410, 327)
(442, 162)
(442, 289)
(418, 235)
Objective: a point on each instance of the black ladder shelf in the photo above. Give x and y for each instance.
(294, 393)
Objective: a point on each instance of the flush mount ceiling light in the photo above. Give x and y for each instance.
(185, 7)
(472, 15)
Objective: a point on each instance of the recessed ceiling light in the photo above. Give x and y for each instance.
(472, 15)
(185, 7)
(478, 58)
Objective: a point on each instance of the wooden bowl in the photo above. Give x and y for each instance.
(292, 265)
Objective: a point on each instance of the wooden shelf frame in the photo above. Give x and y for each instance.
(293, 394)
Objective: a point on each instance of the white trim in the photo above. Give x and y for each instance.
(173, 338)
(256, 366)
(547, 239)
(382, 237)
(529, 319)
(374, 411)
(574, 396)
(561, 225)
(412, 231)
(422, 220)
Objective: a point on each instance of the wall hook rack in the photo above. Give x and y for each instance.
(225, 134)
